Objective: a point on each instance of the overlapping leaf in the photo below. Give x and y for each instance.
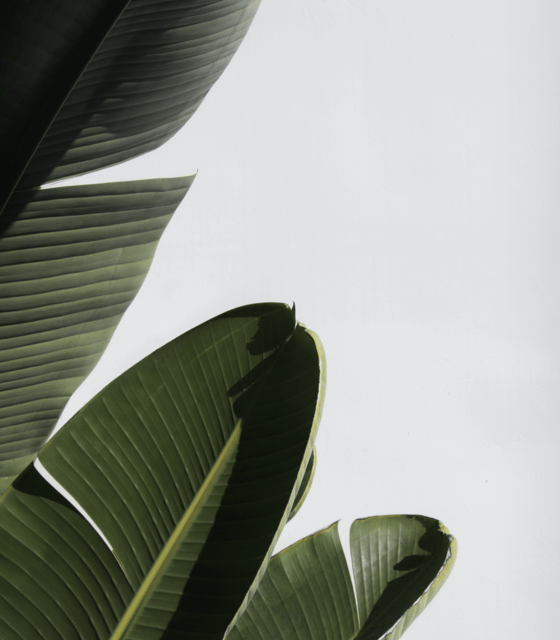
(100, 82)
(306, 484)
(190, 464)
(58, 579)
(399, 562)
(86, 85)
(69, 267)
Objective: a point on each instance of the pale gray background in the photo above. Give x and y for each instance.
(393, 167)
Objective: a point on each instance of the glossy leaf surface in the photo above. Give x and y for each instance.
(399, 563)
(69, 267)
(190, 464)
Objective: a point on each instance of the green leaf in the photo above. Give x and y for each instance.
(44, 47)
(86, 85)
(98, 83)
(306, 483)
(58, 579)
(189, 463)
(69, 268)
(399, 562)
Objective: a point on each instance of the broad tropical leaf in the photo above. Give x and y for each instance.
(190, 464)
(69, 268)
(44, 47)
(58, 579)
(97, 83)
(399, 563)
(86, 85)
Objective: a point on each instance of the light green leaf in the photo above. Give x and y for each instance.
(399, 562)
(189, 463)
(69, 268)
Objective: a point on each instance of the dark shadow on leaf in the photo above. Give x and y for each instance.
(273, 441)
(273, 330)
(402, 592)
(31, 483)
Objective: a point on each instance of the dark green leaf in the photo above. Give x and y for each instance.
(400, 562)
(44, 47)
(117, 79)
(58, 579)
(306, 483)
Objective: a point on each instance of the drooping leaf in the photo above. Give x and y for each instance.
(190, 463)
(399, 562)
(100, 82)
(69, 268)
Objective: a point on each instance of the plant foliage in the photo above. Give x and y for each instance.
(189, 463)
(153, 513)
(86, 86)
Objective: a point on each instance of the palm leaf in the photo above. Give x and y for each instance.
(399, 562)
(190, 463)
(69, 267)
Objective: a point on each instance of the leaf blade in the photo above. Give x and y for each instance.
(306, 484)
(298, 582)
(69, 268)
(306, 593)
(87, 591)
(417, 554)
(45, 48)
(240, 521)
(149, 74)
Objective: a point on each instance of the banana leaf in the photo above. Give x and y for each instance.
(190, 464)
(69, 268)
(399, 564)
(306, 483)
(85, 85)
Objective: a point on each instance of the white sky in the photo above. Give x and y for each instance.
(392, 167)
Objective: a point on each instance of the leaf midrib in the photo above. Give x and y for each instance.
(159, 566)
